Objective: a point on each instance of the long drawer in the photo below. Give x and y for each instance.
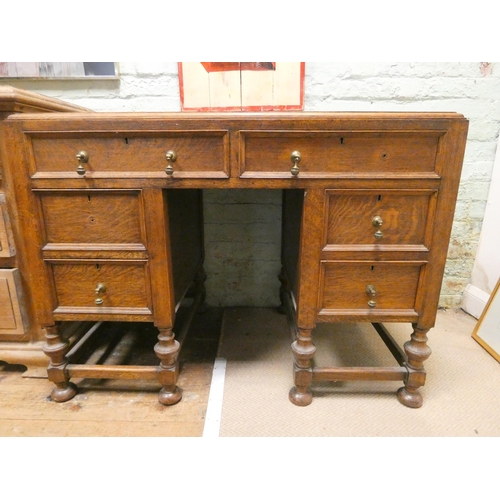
(269, 154)
(184, 154)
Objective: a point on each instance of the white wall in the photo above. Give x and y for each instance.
(470, 88)
(486, 270)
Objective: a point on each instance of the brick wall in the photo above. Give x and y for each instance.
(238, 275)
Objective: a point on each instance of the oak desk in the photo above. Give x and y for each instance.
(21, 335)
(110, 223)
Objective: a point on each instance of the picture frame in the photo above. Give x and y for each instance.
(59, 70)
(487, 330)
(241, 86)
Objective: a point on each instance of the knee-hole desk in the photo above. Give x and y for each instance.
(108, 217)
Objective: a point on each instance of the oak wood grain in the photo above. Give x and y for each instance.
(198, 152)
(26, 345)
(98, 217)
(339, 151)
(401, 167)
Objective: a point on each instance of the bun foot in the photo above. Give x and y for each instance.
(412, 399)
(65, 393)
(300, 398)
(169, 398)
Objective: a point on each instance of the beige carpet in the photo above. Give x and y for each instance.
(461, 396)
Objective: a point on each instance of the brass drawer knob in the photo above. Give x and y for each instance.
(295, 157)
(377, 222)
(370, 290)
(171, 156)
(82, 158)
(100, 289)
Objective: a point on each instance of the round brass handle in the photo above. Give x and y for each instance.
(377, 222)
(100, 288)
(171, 156)
(82, 158)
(295, 157)
(370, 290)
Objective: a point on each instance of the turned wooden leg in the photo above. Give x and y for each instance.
(417, 352)
(56, 348)
(303, 350)
(167, 349)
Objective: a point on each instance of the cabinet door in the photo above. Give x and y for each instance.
(11, 316)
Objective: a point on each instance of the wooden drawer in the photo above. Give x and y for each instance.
(123, 287)
(198, 154)
(385, 217)
(344, 286)
(324, 154)
(12, 317)
(90, 218)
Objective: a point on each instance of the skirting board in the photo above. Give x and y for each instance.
(474, 301)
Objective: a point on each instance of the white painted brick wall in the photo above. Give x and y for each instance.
(240, 276)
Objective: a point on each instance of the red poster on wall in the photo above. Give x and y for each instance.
(241, 86)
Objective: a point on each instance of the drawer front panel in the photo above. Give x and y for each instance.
(369, 286)
(101, 286)
(197, 155)
(324, 153)
(92, 217)
(369, 218)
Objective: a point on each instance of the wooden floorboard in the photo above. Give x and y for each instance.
(118, 408)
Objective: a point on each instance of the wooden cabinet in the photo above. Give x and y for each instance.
(21, 334)
(110, 222)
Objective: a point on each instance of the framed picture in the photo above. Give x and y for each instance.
(241, 86)
(487, 330)
(58, 70)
